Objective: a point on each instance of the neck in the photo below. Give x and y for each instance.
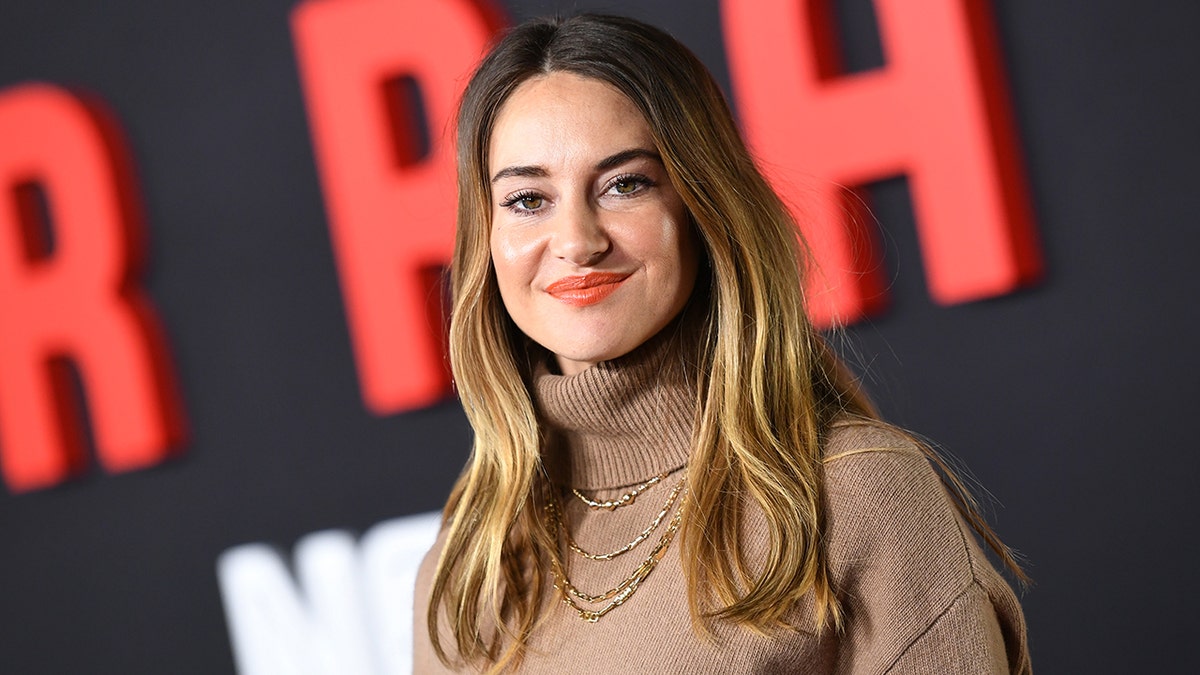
(622, 421)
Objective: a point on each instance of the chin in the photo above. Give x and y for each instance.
(589, 356)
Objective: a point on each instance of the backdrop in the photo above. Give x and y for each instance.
(1068, 400)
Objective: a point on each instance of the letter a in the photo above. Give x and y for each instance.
(937, 112)
(74, 301)
(391, 210)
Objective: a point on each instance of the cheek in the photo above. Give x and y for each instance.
(513, 260)
(679, 248)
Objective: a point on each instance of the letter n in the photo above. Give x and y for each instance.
(69, 254)
(380, 77)
(937, 112)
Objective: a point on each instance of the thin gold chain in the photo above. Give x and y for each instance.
(624, 500)
(623, 591)
(637, 540)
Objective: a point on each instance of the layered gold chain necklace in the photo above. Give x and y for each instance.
(616, 596)
(624, 500)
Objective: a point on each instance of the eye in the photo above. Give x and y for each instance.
(524, 202)
(530, 203)
(625, 186)
(629, 184)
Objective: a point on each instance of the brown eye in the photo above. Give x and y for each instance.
(524, 202)
(628, 185)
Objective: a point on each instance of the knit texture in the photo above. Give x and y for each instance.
(619, 422)
(919, 594)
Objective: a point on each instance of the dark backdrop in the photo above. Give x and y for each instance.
(1069, 401)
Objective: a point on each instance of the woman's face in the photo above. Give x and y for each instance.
(592, 246)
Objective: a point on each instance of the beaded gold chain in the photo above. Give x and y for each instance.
(624, 500)
(618, 595)
(637, 540)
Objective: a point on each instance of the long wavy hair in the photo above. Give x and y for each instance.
(771, 391)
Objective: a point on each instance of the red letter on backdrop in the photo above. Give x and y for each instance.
(937, 112)
(390, 206)
(72, 300)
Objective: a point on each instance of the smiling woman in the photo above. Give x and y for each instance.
(671, 471)
(591, 243)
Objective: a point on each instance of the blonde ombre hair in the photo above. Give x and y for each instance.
(771, 391)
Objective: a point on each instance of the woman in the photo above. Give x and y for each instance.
(670, 471)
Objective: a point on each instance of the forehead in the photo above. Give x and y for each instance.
(560, 117)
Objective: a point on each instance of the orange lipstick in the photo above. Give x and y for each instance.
(588, 289)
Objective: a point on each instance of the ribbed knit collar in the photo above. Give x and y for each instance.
(619, 422)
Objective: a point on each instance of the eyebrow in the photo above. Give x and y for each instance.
(610, 162)
(613, 161)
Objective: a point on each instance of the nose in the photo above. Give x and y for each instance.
(579, 236)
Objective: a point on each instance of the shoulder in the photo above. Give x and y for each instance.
(902, 559)
(885, 501)
(881, 489)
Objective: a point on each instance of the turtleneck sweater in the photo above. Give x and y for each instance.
(619, 422)
(918, 593)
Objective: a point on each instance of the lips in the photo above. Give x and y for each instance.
(588, 289)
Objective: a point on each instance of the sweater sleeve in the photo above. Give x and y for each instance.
(919, 594)
(965, 639)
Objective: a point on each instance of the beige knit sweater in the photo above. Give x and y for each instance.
(920, 596)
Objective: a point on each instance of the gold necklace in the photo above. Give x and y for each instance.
(624, 500)
(637, 540)
(623, 591)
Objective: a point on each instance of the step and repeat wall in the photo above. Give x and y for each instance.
(226, 418)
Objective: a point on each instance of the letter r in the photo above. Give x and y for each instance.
(937, 112)
(73, 301)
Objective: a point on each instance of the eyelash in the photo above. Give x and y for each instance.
(511, 201)
(639, 181)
